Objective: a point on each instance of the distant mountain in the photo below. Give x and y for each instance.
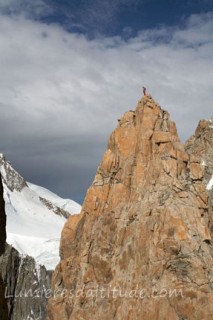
(35, 216)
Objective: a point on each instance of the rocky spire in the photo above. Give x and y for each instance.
(200, 148)
(141, 247)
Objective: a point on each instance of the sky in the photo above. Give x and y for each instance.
(70, 69)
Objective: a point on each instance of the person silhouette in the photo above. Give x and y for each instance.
(144, 91)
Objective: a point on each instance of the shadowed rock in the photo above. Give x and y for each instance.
(3, 303)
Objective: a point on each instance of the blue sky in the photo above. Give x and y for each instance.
(123, 17)
(108, 18)
(70, 69)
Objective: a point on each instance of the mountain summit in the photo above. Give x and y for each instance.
(141, 247)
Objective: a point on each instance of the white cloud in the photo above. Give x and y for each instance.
(57, 86)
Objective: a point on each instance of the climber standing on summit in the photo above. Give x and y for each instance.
(144, 91)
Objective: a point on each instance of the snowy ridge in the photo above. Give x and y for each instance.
(32, 227)
(65, 204)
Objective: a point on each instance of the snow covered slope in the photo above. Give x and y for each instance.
(65, 204)
(35, 217)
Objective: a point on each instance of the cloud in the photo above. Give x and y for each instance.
(61, 94)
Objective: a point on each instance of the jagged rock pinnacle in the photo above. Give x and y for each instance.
(143, 227)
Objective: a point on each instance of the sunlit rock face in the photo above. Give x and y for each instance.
(141, 247)
(200, 148)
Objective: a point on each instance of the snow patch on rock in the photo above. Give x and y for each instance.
(210, 184)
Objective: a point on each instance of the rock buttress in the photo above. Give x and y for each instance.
(27, 285)
(141, 247)
(200, 150)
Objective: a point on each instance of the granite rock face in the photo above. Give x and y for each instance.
(27, 286)
(141, 247)
(200, 147)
